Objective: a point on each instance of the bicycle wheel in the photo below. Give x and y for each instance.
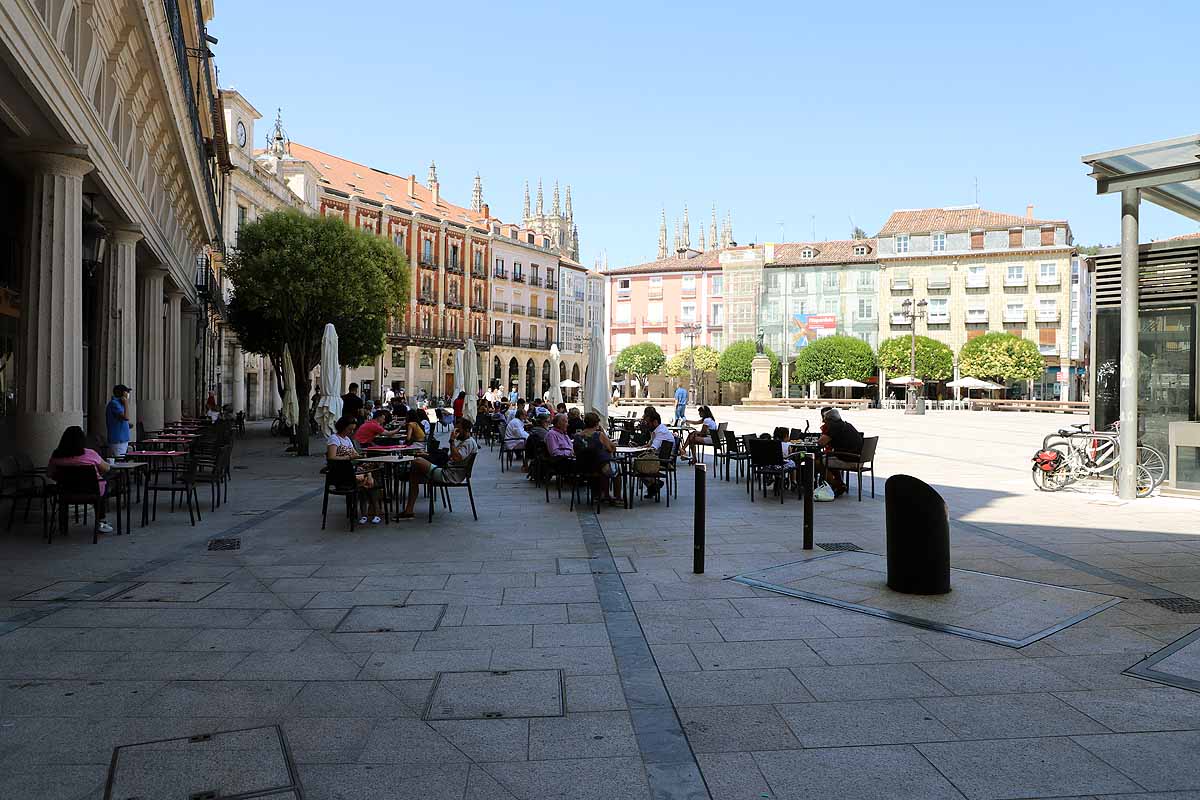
(1144, 481)
(1153, 461)
(1051, 481)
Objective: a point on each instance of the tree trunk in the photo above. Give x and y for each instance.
(303, 434)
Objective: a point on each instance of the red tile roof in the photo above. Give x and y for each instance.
(1195, 235)
(967, 218)
(709, 260)
(839, 251)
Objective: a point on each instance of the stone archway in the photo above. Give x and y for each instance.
(496, 374)
(545, 378)
(530, 378)
(514, 376)
(575, 375)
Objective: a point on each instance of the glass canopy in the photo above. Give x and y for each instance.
(1155, 161)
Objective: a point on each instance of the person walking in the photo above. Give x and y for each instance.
(116, 416)
(681, 399)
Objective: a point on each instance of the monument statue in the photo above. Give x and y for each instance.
(758, 342)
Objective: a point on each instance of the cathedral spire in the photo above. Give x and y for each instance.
(525, 211)
(687, 230)
(703, 246)
(575, 242)
(678, 238)
(556, 209)
(539, 198)
(712, 229)
(662, 235)
(432, 174)
(477, 194)
(570, 213)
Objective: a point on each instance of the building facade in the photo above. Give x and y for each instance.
(673, 302)
(110, 210)
(981, 271)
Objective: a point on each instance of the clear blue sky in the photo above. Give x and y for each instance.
(776, 112)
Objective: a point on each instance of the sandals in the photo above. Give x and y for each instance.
(362, 520)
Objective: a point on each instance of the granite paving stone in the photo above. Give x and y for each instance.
(732, 776)
(748, 655)
(735, 687)
(868, 682)
(596, 734)
(1012, 716)
(573, 778)
(981, 677)
(741, 728)
(1161, 761)
(869, 773)
(862, 722)
(1143, 709)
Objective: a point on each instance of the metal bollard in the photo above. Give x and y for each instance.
(806, 479)
(698, 521)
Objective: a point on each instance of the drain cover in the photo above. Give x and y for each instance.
(226, 764)
(838, 546)
(501, 694)
(225, 544)
(1180, 605)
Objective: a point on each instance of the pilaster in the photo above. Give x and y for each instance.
(118, 315)
(188, 353)
(173, 358)
(151, 379)
(238, 373)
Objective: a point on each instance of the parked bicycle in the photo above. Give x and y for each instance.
(1078, 453)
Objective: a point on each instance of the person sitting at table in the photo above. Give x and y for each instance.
(561, 408)
(708, 429)
(462, 446)
(537, 432)
(515, 434)
(414, 431)
(574, 421)
(838, 436)
(596, 440)
(365, 434)
(340, 446)
(72, 451)
(513, 408)
(652, 425)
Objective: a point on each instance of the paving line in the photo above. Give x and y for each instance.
(671, 767)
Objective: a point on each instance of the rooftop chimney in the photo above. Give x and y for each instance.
(412, 185)
(1029, 211)
(487, 214)
(436, 193)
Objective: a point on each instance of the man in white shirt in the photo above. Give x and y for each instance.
(659, 435)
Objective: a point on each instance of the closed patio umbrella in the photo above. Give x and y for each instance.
(555, 387)
(596, 391)
(470, 380)
(291, 404)
(458, 374)
(329, 409)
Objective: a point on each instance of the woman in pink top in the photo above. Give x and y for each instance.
(73, 452)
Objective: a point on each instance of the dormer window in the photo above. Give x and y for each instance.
(808, 252)
(860, 250)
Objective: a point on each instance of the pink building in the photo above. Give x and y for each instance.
(671, 302)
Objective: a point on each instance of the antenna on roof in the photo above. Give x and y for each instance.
(782, 231)
(976, 190)
(813, 219)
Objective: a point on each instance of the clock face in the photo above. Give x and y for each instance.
(241, 135)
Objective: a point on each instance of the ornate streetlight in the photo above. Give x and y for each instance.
(691, 330)
(913, 313)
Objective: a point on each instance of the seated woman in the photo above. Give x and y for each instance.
(73, 452)
(340, 446)
(414, 431)
(708, 429)
(596, 440)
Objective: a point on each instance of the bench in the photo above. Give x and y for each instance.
(1062, 406)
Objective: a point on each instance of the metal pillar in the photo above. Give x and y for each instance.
(1126, 478)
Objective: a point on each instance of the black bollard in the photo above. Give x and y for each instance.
(698, 521)
(918, 537)
(806, 487)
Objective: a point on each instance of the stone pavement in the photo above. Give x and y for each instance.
(540, 653)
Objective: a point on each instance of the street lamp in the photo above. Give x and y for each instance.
(691, 330)
(913, 313)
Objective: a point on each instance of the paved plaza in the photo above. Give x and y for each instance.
(542, 653)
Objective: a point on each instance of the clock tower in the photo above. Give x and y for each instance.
(239, 122)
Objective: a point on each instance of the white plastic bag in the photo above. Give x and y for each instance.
(823, 493)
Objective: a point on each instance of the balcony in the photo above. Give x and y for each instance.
(516, 309)
(900, 319)
(552, 285)
(551, 313)
(427, 299)
(1015, 315)
(654, 323)
(454, 302)
(478, 272)
(399, 332)
(518, 277)
(936, 282)
(428, 263)
(901, 285)
(535, 312)
(939, 319)
(475, 306)
(716, 323)
(655, 294)
(622, 323)
(535, 280)
(1049, 280)
(454, 269)
(500, 307)
(976, 316)
(1048, 315)
(977, 281)
(1015, 281)
(500, 273)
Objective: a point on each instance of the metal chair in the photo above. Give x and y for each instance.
(341, 480)
(734, 452)
(766, 460)
(857, 463)
(445, 486)
(79, 486)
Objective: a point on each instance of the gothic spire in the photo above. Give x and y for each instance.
(575, 242)
(687, 229)
(432, 174)
(678, 239)
(525, 212)
(556, 209)
(712, 229)
(662, 235)
(477, 194)
(703, 246)
(570, 213)
(539, 198)
(729, 225)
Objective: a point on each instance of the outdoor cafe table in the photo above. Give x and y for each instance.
(155, 457)
(808, 445)
(126, 471)
(393, 467)
(625, 456)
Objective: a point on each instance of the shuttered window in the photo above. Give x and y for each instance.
(976, 240)
(1014, 238)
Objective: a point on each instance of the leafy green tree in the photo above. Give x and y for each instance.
(734, 366)
(293, 273)
(1001, 356)
(935, 360)
(641, 360)
(681, 363)
(831, 358)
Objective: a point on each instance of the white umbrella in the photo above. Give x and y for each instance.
(846, 383)
(291, 404)
(568, 384)
(904, 380)
(555, 387)
(597, 389)
(329, 409)
(470, 380)
(458, 374)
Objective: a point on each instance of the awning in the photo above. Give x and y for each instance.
(1166, 172)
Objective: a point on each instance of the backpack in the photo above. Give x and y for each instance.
(1047, 460)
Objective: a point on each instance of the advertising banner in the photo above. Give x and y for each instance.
(807, 328)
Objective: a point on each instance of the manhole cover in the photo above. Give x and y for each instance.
(838, 546)
(169, 592)
(207, 766)
(1180, 605)
(388, 619)
(502, 694)
(225, 544)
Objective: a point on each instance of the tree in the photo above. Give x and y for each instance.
(681, 363)
(1002, 357)
(734, 366)
(935, 360)
(831, 358)
(293, 273)
(641, 360)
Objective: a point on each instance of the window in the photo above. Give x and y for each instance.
(656, 286)
(1015, 275)
(743, 312)
(938, 242)
(976, 240)
(1048, 274)
(623, 285)
(977, 277)
(399, 358)
(516, 270)
(1048, 237)
(499, 267)
(1015, 237)
(398, 239)
(1047, 309)
(427, 251)
(654, 312)
(831, 280)
(799, 281)
(454, 255)
(688, 284)
(860, 249)
(478, 259)
(717, 317)
(687, 312)
(939, 311)
(426, 359)
(902, 243)
(938, 279)
(900, 281)
(866, 308)
(622, 340)
(808, 252)
(866, 281)
(977, 314)
(242, 212)
(829, 305)
(1014, 311)
(623, 312)
(717, 340)
(718, 284)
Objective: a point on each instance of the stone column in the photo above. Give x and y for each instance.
(239, 376)
(187, 356)
(378, 378)
(118, 315)
(1064, 368)
(173, 359)
(150, 348)
(410, 385)
(51, 345)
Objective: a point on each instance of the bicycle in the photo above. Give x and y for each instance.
(1068, 456)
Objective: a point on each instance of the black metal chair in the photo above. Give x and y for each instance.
(341, 480)
(180, 480)
(733, 452)
(857, 463)
(79, 486)
(766, 461)
(18, 483)
(445, 486)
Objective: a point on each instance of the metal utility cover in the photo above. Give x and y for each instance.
(169, 592)
(387, 619)
(76, 591)
(224, 765)
(506, 694)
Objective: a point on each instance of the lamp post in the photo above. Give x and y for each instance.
(913, 312)
(691, 330)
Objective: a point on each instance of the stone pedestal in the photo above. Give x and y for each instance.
(172, 359)
(51, 358)
(760, 379)
(150, 386)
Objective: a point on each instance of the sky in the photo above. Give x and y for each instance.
(793, 117)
